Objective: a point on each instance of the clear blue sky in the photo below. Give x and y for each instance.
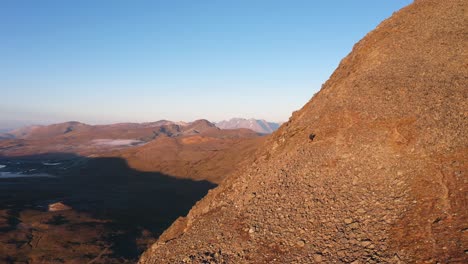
(114, 61)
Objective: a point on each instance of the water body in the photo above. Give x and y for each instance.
(51, 164)
(2, 166)
(9, 175)
(118, 142)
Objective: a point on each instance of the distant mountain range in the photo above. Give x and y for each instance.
(197, 150)
(135, 129)
(257, 125)
(76, 130)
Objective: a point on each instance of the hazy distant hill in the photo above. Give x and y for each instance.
(6, 136)
(42, 132)
(77, 130)
(257, 125)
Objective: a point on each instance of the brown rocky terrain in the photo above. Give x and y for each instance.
(199, 157)
(373, 169)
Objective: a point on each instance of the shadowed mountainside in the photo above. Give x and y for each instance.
(116, 210)
(371, 170)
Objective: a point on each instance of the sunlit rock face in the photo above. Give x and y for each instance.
(382, 181)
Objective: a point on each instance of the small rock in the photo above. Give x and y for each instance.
(300, 243)
(366, 243)
(59, 206)
(317, 258)
(348, 221)
(311, 137)
(361, 211)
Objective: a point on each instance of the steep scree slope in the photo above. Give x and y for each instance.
(383, 181)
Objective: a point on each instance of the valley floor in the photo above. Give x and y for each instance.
(116, 211)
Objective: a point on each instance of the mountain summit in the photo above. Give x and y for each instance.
(257, 125)
(371, 170)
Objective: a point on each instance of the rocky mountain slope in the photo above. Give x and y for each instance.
(257, 125)
(373, 169)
